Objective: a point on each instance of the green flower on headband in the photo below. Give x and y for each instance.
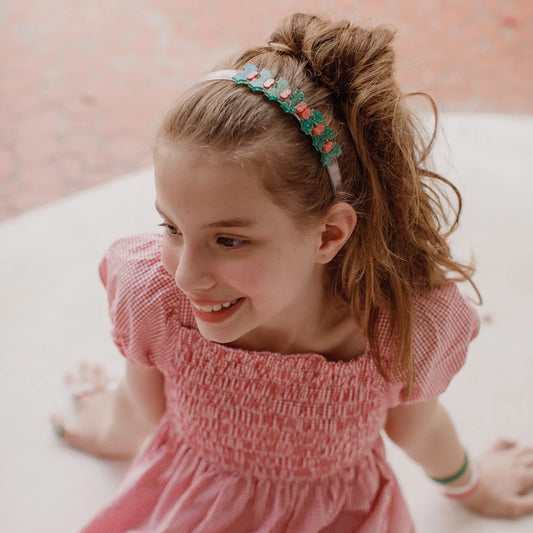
(293, 102)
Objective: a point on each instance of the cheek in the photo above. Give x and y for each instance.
(247, 276)
(262, 278)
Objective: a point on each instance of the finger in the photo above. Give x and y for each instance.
(99, 377)
(112, 385)
(85, 401)
(522, 505)
(68, 433)
(85, 371)
(78, 390)
(525, 461)
(504, 444)
(526, 481)
(64, 431)
(58, 424)
(526, 455)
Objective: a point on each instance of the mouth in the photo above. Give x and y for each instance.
(216, 313)
(217, 307)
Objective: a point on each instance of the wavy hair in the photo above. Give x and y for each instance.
(399, 247)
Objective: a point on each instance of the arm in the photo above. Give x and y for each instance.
(138, 404)
(145, 387)
(426, 433)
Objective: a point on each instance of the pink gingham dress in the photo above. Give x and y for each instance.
(259, 441)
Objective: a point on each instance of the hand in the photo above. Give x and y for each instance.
(93, 392)
(506, 482)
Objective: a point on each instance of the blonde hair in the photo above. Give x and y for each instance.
(399, 246)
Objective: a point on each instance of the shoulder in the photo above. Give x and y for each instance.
(145, 306)
(441, 319)
(136, 281)
(444, 325)
(136, 257)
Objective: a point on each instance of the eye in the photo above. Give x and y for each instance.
(171, 230)
(229, 242)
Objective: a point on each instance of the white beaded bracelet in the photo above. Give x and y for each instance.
(464, 490)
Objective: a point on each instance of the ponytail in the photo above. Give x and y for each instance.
(398, 248)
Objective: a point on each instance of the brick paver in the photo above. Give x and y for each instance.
(81, 82)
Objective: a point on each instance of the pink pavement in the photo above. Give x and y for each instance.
(82, 82)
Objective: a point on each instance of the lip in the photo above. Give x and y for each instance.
(214, 317)
(202, 303)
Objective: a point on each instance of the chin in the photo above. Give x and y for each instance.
(222, 337)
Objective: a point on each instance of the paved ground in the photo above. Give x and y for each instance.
(81, 82)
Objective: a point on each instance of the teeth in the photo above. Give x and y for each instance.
(217, 307)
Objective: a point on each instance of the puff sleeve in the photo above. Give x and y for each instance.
(142, 299)
(444, 324)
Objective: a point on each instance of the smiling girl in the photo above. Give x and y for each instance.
(298, 303)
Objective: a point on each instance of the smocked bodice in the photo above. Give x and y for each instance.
(273, 415)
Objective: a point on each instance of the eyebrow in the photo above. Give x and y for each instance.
(237, 222)
(232, 223)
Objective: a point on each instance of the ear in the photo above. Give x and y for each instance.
(336, 228)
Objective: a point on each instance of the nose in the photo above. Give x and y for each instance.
(194, 271)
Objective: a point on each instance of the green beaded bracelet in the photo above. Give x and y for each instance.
(455, 476)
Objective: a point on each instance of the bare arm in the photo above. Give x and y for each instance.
(137, 407)
(426, 433)
(145, 387)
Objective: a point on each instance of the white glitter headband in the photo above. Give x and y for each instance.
(292, 102)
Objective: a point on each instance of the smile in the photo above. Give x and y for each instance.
(215, 308)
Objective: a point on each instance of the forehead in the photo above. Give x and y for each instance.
(194, 181)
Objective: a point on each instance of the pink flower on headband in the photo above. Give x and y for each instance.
(293, 102)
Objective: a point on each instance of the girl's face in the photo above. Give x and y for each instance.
(248, 271)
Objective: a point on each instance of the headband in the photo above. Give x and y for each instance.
(292, 102)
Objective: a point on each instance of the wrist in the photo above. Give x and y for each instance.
(458, 476)
(462, 483)
(122, 432)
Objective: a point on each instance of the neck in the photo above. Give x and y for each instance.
(330, 331)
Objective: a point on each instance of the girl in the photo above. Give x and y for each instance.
(299, 301)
